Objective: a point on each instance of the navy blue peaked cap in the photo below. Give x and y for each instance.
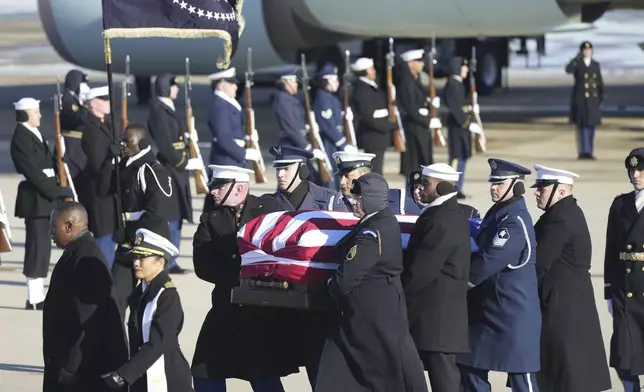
(635, 160)
(326, 70)
(502, 170)
(287, 155)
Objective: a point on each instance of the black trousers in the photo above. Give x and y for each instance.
(124, 280)
(443, 373)
(378, 162)
(37, 248)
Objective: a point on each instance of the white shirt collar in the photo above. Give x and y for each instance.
(369, 81)
(33, 130)
(168, 102)
(228, 99)
(440, 200)
(639, 200)
(133, 159)
(587, 61)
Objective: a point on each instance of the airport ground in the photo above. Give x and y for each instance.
(526, 124)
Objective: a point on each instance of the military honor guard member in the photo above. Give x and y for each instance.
(503, 302)
(370, 348)
(94, 180)
(38, 193)
(459, 125)
(72, 115)
(572, 358)
(369, 105)
(235, 341)
(226, 122)
(174, 153)
(437, 266)
(156, 362)
(586, 98)
(404, 200)
(293, 188)
(624, 276)
(83, 336)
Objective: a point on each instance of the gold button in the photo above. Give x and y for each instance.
(642, 268)
(629, 295)
(587, 95)
(629, 246)
(628, 270)
(234, 257)
(586, 85)
(586, 75)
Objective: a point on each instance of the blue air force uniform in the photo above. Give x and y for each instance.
(503, 301)
(328, 114)
(401, 201)
(291, 119)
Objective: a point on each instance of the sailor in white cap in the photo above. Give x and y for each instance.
(369, 102)
(222, 350)
(436, 173)
(570, 360)
(38, 194)
(225, 120)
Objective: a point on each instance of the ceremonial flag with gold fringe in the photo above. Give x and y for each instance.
(176, 19)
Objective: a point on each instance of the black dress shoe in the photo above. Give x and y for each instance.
(176, 270)
(38, 306)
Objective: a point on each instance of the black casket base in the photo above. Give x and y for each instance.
(281, 294)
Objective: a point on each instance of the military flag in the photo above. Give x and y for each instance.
(176, 19)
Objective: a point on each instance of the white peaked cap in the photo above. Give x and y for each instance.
(227, 74)
(150, 239)
(26, 104)
(103, 91)
(545, 173)
(362, 64)
(352, 156)
(221, 172)
(289, 77)
(416, 54)
(442, 171)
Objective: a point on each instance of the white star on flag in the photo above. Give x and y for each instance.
(191, 9)
(209, 15)
(175, 1)
(183, 5)
(200, 12)
(217, 15)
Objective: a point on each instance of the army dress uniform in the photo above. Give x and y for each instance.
(73, 115)
(624, 278)
(573, 359)
(586, 100)
(503, 301)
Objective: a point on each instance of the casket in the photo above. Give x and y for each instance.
(281, 294)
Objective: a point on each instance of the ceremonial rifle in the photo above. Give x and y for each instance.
(439, 139)
(349, 132)
(60, 163)
(201, 182)
(125, 92)
(324, 165)
(479, 139)
(394, 116)
(259, 167)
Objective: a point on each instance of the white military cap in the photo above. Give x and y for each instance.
(441, 171)
(362, 64)
(548, 175)
(410, 55)
(83, 89)
(102, 92)
(148, 243)
(222, 174)
(289, 78)
(348, 161)
(230, 73)
(26, 104)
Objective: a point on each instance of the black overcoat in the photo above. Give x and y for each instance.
(371, 116)
(587, 92)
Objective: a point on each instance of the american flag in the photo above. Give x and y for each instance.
(299, 246)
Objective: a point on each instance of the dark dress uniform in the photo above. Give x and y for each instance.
(573, 359)
(374, 131)
(328, 114)
(82, 332)
(226, 122)
(585, 101)
(369, 347)
(72, 116)
(411, 97)
(437, 266)
(459, 139)
(401, 202)
(624, 280)
(290, 116)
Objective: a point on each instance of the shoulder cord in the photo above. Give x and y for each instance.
(141, 177)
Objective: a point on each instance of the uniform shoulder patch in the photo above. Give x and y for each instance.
(169, 285)
(501, 237)
(369, 232)
(352, 253)
(327, 114)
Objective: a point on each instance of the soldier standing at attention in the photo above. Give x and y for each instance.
(73, 114)
(38, 193)
(586, 99)
(623, 275)
(573, 359)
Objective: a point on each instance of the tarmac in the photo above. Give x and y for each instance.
(525, 124)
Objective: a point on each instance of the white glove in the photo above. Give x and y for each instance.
(393, 92)
(475, 109)
(609, 302)
(194, 136)
(435, 123)
(254, 137)
(83, 89)
(253, 154)
(475, 128)
(318, 154)
(436, 102)
(349, 115)
(62, 146)
(194, 164)
(350, 149)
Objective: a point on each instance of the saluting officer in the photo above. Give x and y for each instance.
(572, 358)
(72, 115)
(234, 342)
(586, 98)
(293, 188)
(503, 301)
(174, 153)
(38, 193)
(459, 125)
(437, 266)
(226, 122)
(156, 319)
(624, 276)
(371, 110)
(369, 348)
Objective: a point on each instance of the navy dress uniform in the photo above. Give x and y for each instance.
(572, 358)
(624, 276)
(156, 362)
(290, 115)
(503, 301)
(586, 98)
(72, 115)
(369, 347)
(38, 193)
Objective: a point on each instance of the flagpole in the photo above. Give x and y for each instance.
(115, 135)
